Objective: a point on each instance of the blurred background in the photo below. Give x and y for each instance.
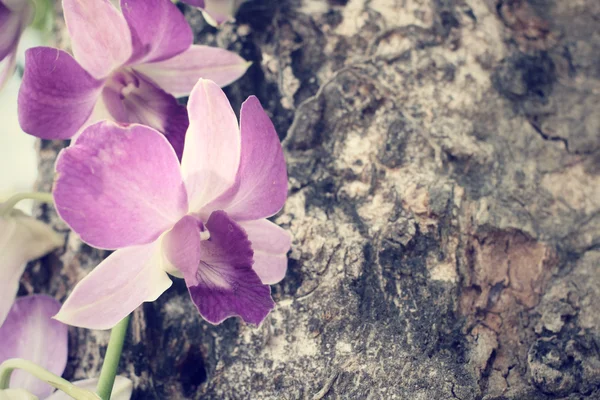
(18, 161)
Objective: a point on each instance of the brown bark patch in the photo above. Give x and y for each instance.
(506, 276)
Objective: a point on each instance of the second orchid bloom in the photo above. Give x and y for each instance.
(15, 15)
(128, 66)
(123, 187)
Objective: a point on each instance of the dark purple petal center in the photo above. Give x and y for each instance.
(216, 262)
(131, 97)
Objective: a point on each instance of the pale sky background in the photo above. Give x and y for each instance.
(18, 163)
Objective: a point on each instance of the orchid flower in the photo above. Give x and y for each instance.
(30, 333)
(127, 67)
(15, 15)
(22, 239)
(122, 187)
(216, 12)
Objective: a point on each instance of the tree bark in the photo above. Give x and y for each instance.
(444, 169)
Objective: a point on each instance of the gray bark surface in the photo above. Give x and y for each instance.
(444, 167)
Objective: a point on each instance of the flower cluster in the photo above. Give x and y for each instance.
(175, 191)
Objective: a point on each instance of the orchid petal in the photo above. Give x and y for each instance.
(16, 394)
(119, 186)
(57, 95)
(130, 97)
(122, 389)
(181, 247)
(29, 332)
(216, 12)
(16, 5)
(11, 30)
(179, 74)
(260, 189)
(270, 244)
(159, 30)
(15, 15)
(22, 239)
(224, 284)
(100, 36)
(211, 154)
(116, 287)
(14, 18)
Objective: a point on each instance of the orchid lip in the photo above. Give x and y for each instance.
(123, 81)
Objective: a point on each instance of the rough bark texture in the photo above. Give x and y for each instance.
(444, 164)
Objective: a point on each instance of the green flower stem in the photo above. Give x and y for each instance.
(43, 15)
(37, 196)
(8, 366)
(111, 360)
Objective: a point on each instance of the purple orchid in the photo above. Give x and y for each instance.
(22, 239)
(216, 12)
(127, 67)
(30, 333)
(122, 187)
(15, 15)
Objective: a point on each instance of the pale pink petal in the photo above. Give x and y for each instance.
(29, 332)
(100, 36)
(260, 189)
(211, 154)
(22, 239)
(116, 287)
(122, 389)
(119, 186)
(57, 95)
(181, 246)
(270, 244)
(179, 74)
(159, 30)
